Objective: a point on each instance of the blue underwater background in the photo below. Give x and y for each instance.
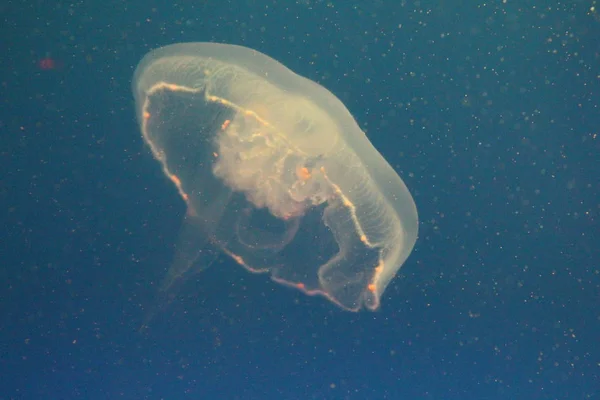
(490, 113)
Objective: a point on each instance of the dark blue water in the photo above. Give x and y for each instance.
(490, 112)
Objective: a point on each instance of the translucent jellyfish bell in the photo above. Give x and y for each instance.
(275, 173)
